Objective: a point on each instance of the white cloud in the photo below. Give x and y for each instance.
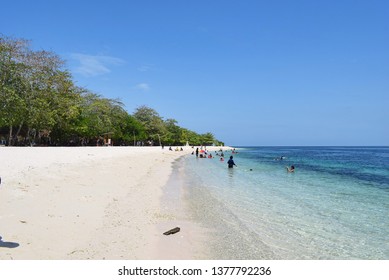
(146, 67)
(94, 65)
(143, 87)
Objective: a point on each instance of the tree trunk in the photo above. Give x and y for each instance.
(19, 129)
(10, 136)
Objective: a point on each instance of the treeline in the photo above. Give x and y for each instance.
(40, 104)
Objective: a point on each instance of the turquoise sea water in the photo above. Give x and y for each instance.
(335, 205)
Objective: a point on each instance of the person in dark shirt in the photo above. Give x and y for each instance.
(231, 162)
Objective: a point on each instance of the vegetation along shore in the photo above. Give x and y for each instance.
(40, 104)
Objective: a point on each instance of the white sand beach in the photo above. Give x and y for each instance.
(92, 203)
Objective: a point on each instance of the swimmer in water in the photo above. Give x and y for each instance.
(290, 169)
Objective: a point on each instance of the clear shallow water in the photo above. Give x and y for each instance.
(335, 206)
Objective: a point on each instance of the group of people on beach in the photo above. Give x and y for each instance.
(176, 149)
(203, 153)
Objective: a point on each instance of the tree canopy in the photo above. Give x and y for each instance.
(40, 104)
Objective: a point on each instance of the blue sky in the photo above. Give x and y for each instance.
(251, 72)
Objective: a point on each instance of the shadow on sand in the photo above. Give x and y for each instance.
(8, 244)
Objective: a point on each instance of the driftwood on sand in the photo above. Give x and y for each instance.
(172, 231)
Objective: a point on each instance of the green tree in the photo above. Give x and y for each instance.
(173, 135)
(45, 77)
(207, 139)
(31, 84)
(153, 123)
(67, 105)
(192, 137)
(131, 131)
(95, 116)
(12, 83)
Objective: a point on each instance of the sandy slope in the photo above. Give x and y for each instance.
(90, 203)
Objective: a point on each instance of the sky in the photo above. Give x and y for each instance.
(252, 72)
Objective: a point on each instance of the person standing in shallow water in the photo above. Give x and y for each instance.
(231, 162)
(197, 152)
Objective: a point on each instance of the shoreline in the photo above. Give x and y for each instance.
(188, 244)
(93, 203)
